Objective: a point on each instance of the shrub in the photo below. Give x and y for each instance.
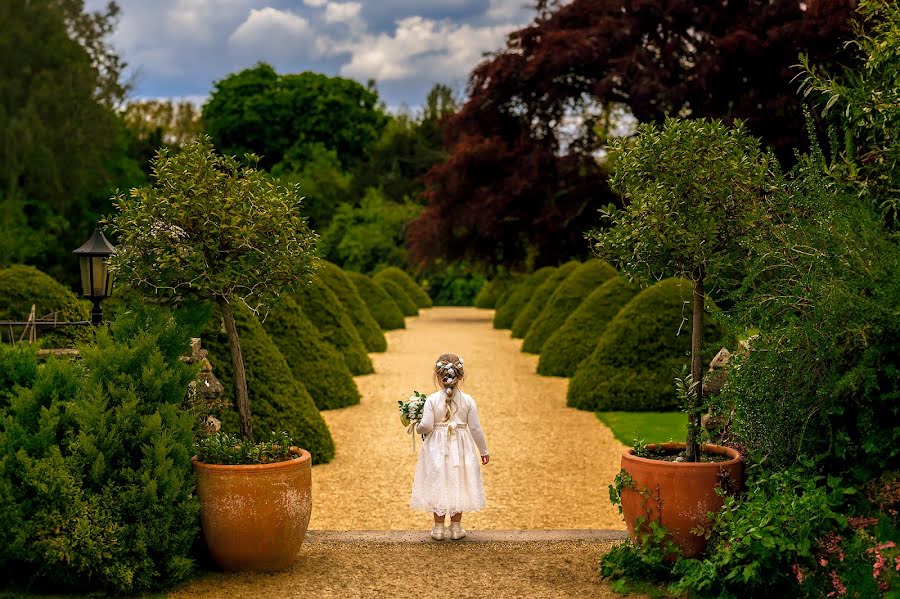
(369, 331)
(96, 489)
(565, 300)
(641, 351)
(383, 308)
(313, 362)
(280, 402)
(490, 293)
(541, 296)
(325, 311)
(576, 339)
(405, 282)
(23, 286)
(519, 296)
(454, 285)
(400, 297)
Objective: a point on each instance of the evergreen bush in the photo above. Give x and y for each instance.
(382, 306)
(640, 353)
(369, 331)
(325, 311)
(96, 488)
(539, 299)
(23, 286)
(565, 300)
(280, 402)
(577, 337)
(489, 295)
(313, 362)
(400, 297)
(517, 298)
(406, 282)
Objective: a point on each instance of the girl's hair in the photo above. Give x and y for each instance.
(449, 371)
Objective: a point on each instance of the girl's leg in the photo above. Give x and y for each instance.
(457, 517)
(456, 530)
(440, 519)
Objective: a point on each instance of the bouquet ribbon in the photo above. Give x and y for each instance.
(411, 430)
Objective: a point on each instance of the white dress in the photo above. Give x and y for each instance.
(448, 474)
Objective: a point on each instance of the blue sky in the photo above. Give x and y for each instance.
(178, 48)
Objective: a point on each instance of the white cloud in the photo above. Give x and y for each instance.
(341, 12)
(315, 3)
(201, 20)
(271, 34)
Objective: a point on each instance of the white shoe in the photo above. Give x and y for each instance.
(437, 532)
(457, 532)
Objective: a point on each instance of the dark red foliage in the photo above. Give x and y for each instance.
(507, 192)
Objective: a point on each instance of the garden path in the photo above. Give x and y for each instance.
(550, 464)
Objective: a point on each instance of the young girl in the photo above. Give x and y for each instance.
(448, 476)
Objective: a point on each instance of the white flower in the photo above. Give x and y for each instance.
(450, 371)
(448, 390)
(438, 364)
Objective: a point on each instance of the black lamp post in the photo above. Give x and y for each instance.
(96, 282)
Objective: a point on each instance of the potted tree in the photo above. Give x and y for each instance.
(693, 190)
(212, 229)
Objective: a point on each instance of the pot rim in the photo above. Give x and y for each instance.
(250, 468)
(704, 447)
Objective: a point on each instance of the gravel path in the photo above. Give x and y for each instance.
(550, 464)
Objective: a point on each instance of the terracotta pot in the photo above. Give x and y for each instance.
(254, 517)
(678, 495)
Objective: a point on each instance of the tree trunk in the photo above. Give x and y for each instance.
(240, 376)
(693, 438)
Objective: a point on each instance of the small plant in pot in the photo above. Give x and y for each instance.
(213, 229)
(693, 190)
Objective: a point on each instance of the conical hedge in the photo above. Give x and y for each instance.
(519, 296)
(539, 299)
(577, 337)
(325, 311)
(406, 282)
(640, 353)
(565, 300)
(491, 291)
(369, 331)
(383, 308)
(23, 286)
(396, 293)
(313, 362)
(278, 402)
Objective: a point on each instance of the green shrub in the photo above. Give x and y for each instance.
(23, 286)
(641, 351)
(313, 362)
(576, 339)
(504, 295)
(406, 282)
(382, 306)
(400, 297)
(565, 300)
(518, 297)
(539, 299)
(96, 488)
(491, 292)
(369, 331)
(454, 285)
(325, 311)
(278, 401)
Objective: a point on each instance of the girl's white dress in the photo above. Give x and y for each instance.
(448, 475)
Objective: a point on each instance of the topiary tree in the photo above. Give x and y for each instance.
(565, 300)
(405, 282)
(383, 308)
(693, 190)
(212, 229)
(576, 339)
(489, 294)
(325, 311)
(369, 331)
(397, 293)
(519, 297)
(314, 362)
(635, 361)
(24, 286)
(539, 299)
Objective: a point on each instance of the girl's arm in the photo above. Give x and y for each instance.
(426, 425)
(475, 429)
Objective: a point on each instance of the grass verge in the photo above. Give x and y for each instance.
(651, 427)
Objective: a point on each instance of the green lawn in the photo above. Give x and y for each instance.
(650, 427)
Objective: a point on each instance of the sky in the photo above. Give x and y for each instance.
(179, 48)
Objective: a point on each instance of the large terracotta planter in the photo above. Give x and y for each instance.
(255, 517)
(678, 495)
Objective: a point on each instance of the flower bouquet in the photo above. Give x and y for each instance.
(411, 413)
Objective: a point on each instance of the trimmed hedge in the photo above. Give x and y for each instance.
(406, 282)
(313, 362)
(278, 401)
(577, 337)
(565, 300)
(490, 293)
(23, 286)
(369, 331)
(519, 295)
(382, 306)
(539, 299)
(640, 353)
(400, 297)
(325, 310)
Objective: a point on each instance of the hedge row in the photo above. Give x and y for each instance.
(23, 286)
(490, 293)
(412, 289)
(369, 330)
(404, 301)
(512, 302)
(383, 308)
(541, 296)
